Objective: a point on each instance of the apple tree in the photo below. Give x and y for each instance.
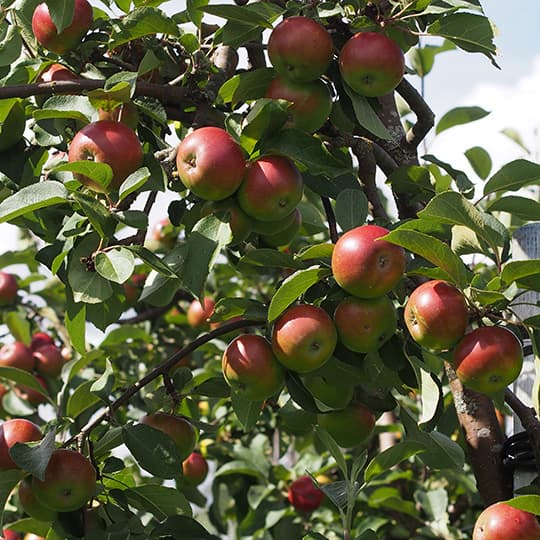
(243, 302)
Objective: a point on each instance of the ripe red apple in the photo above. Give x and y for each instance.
(365, 324)
(57, 72)
(365, 266)
(11, 535)
(300, 48)
(371, 64)
(133, 287)
(210, 163)
(436, 315)
(49, 360)
(8, 288)
(249, 365)
(194, 469)
(304, 338)
(12, 432)
(47, 34)
(179, 429)
(69, 481)
(304, 495)
(30, 504)
(39, 339)
(332, 395)
(500, 521)
(197, 315)
(311, 102)
(29, 394)
(350, 426)
(271, 189)
(109, 142)
(17, 355)
(488, 359)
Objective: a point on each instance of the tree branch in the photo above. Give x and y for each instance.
(331, 218)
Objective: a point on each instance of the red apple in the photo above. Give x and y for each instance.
(488, 359)
(47, 34)
(371, 64)
(133, 287)
(49, 360)
(197, 315)
(107, 142)
(57, 72)
(271, 189)
(436, 315)
(194, 469)
(365, 266)
(210, 163)
(69, 481)
(249, 365)
(39, 339)
(311, 102)
(179, 429)
(500, 521)
(11, 535)
(12, 432)
(349, 427)
(304, 338)
(304, 495)
(31, 505)
(17, 355)
(300, 48)
(365, 324)
(8, 288)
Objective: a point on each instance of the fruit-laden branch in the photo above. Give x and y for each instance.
(483, 436)
(160, 370)
(529, 421)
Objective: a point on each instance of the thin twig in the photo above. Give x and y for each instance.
(331, 218)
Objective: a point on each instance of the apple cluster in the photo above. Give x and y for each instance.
(259, 196)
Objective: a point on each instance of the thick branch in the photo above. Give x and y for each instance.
(483, 436)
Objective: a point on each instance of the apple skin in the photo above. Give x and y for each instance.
(29, 394)
(107, 141)
(197, 315)
(49, 360)
(488, 359)
(47, 34)
(194, 469)
(126, 113)
(58, 72)
(210, 163)
(300, 48)
(17, 355)
(436, 315)
(365, 324)
(14, 431)
(31, 505)
(250, 366)
(69, 481)
(133, 287)
(304, 495)
(179, 429)
(500, 521)
(39, 339)
(271, 189)
(304, 338)
(333, 396)
(365, 266)
(371, 64)
(351, 426)
(311, 102)
(8, 288)
(11, 535)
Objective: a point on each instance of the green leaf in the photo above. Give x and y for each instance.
(293, 287)
(270, 258)
(23, 378)
(246, 86)
(520, 207)
(182, 528)
(246, 410)
(81, 400)
(441, 451)
(133, 182)
(238, 14)
(528, 503)
(465, 186)
(141, 22)
(101, 173)
(152, 260)
(265, 117)
(76, 322)
(513, 176)
(515, 136)
(423, 58)
(480, 161)
(18, 325)
(104, 385)
(526, 274)
(334, 449)
(351, 209)
(8, 480)
(67, 106)
(34, 458)
(459, 116)
(61, 12)
(434, 251)
(161, 501)
(32, 198)
(10, 46)
(366, 116)
(153, 450)
(101, 219)
(392, 456)
(115, 265)
(227, 308)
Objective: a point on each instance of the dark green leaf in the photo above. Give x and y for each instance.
(238, 14)
(247, 411)
(480, 161)
(246, 86)
(152, 260)
(459, 116)
(520, 207)
(227, 308)
(101, 219)
(390, 457)
(81, 400)
(270, 258)
(332, 447)
(351, 209)
(24, 378)
(182, 528)
(105, 384)
(526, 274)
(161, 501)
(513, 176)
(8, 480)
(133, 182)
(34, 458)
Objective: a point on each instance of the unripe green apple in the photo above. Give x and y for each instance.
(31, 505)
(300, 48)
(365, 324)
(332, 395)
(366, 266)
(436, 315)
(304, 338)
(371, 64)
(250, 366)
(349, 427)
(287, 235)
